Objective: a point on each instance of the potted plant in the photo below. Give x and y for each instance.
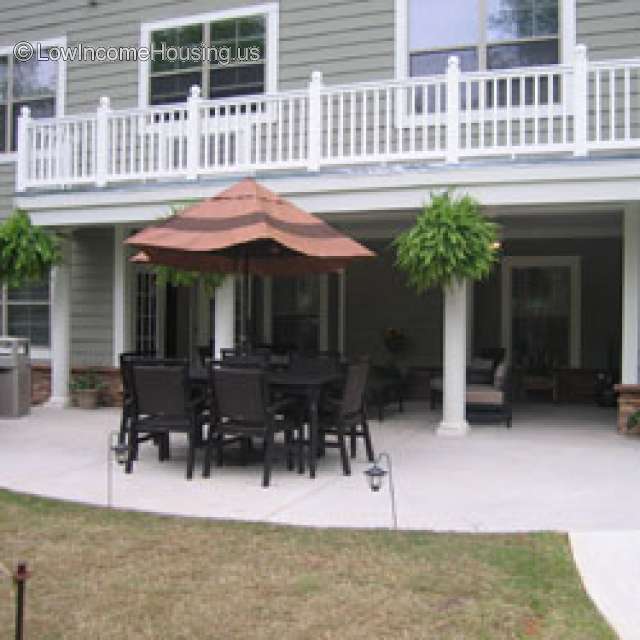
(451, 241)
(85, 389)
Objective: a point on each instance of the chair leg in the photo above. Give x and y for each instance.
(268, 450)
(288, 443)
(219, 452)
(352, 438)
(367, 439)
(300, 448)
(346, 466)
(208, 454)
(191, 454)
(133, 437)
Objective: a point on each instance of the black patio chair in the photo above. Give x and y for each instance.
(127, 358)
(347, 416)
(163, 404)
(240, 409)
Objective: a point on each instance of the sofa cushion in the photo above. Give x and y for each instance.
(484, 394)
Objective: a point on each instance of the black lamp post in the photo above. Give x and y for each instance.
(375, 477)
(118, 452)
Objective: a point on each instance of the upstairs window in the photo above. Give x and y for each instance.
(32, 84)
(238, 69)
(484, 34)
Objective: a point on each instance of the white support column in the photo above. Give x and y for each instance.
(267, 309)
(631, 294)
(61, 327)
(323, 338)
(225, 320)
(119, 294)
(342, 311)
(455, 361)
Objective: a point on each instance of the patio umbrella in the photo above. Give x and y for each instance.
(246, 229)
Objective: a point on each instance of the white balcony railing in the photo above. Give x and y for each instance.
(574, 109)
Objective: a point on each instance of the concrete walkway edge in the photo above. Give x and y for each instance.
(609, 563)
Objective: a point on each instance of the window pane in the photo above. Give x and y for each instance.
(435, 62)
(34, 78)
(29, 321)
(223, 30)
(4, 71)
(436, 23)
(515, 19)
(39, 109)
(181, 38)
(251, 26)
(235, 81)
(37, 292)
(174, 87)
(525, 54)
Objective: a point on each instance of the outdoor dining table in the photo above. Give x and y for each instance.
(310, 386)
(302, 384)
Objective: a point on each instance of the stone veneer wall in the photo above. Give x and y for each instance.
(110, 396)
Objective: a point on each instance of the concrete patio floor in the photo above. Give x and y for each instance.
(560, 468)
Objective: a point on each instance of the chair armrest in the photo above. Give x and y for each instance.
(281, 406)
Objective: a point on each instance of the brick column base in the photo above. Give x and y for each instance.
(628, 403)
(110, 395)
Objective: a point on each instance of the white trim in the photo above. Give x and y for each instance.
(270, 10)
(575, 311)
(61, 84)
(630, 297)
(567, 35)
(119, 294)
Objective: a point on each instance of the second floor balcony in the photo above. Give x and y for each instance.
(573, 110)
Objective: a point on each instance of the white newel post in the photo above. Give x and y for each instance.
(24, 149)
(455, 361)
(314, 125)
(631, 294)
(580, 101)
(102, 141)
(453, 110)
(225, 315)
(193, 133)
(61, 327)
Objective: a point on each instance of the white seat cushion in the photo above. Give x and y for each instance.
(476, 393)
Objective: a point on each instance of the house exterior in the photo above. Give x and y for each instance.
(355, 110)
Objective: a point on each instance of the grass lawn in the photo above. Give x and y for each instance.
(103, 575)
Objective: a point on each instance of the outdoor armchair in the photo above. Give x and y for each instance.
(241, 409)
(163, 404)
(347, 415)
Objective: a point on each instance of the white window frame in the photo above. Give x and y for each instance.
(38, 352)
(574, 263)
(567, 35)
(61, 85)
(271, 11)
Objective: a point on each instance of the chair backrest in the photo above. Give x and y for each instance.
(127, 359)
(161, 388)
(247, 360)
(354, 388)
(239, 394)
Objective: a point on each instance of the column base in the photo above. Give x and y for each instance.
(58, 402)
(453, 428)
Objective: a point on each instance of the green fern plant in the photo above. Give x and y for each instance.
(27, 252)
(181, 278)
(450, 240)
